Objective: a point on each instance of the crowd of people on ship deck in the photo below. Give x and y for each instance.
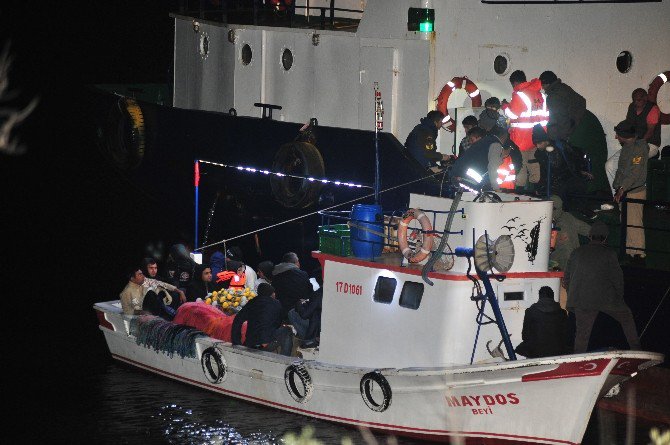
(286, 303)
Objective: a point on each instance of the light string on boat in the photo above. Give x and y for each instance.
(282, 175)
(314, 213)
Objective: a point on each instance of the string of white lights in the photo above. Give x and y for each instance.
(281, 175)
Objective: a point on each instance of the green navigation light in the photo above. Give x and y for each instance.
(426, 26)
(421, 19)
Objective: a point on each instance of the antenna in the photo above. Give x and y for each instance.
(495, 254)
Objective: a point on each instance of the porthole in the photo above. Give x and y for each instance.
(501, 64)
(203, 46)
(624, 61)
(246, 54)
(287, 59)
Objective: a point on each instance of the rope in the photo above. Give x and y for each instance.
(437, 254)
(655, 311)
(312, 213)
(282, 175)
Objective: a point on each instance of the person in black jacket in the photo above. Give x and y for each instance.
(306, 316)
(545, 328)
(264, 323)
(422, 141)
(290, 283)
(201, 285)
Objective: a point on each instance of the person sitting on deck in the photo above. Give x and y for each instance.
(306, 316)
(138, 299)
(264, 273)
(152, 280)
(545, 328)
(201, 285)
(291, 283)
(234, 277)
(235, 254)
(264, 323)
(180, 266)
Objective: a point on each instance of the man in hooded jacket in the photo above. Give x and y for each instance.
(545, 328)
(566, 107)
(291, 283)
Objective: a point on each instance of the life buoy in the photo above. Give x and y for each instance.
(213, 365)
(422, 249)
(300, 159)
(368, 391)
(448, 88)
(656, 85)
(126, 134)
(298, 373)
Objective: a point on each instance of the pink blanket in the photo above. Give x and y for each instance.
(208, 319)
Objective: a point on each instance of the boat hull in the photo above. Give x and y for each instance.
(535, 401)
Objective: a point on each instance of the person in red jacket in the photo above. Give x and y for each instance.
(526, 109)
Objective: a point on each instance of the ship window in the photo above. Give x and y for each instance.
(410, 296)
(624, 61)
(246, 54)
(287, 59)
(384, 290)
(500, 64)
(513, 296)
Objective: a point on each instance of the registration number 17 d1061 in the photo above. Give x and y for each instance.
(348, 288)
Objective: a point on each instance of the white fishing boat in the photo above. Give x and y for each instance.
(402, 356)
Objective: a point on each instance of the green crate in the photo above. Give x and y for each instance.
(335, 239)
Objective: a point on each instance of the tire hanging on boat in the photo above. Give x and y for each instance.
(214, 365)
(652, 94)
(300, 159)
(367, 385)
(451, 86)
(298, 370)
(420, 252)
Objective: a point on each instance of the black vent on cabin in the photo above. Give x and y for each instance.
(410, 296)
(384, 290)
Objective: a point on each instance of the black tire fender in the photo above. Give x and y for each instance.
(300, 159)
(214, 365)
(367, 382)
(298, 370)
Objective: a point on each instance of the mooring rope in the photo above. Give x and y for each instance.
(313, 213)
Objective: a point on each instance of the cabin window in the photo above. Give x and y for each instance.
(246, 54)
(287, 59)
(410, 296)
(513, 296)
(384, 290)
(204, 45)
(500, 64)
(624, 61)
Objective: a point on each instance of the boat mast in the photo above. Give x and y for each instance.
(379, 125)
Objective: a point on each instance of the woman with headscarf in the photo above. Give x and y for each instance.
(201, 285)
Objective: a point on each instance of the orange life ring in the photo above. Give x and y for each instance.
(656, 85)
(423, 250)
(448, 88)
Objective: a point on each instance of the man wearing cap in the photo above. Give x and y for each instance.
(264, 323)
(629, 182)
(422, 141)
(594, 281)
(566, 107)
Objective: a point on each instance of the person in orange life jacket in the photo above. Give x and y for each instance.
(264, 323)
(526, 108)
(234, 277)
(422, 141)
(545, 328)
(201, 285)
(468, 123)
(235, 253)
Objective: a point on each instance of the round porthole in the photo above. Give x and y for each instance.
(287, 59)
(501, 64)
(624, 61)
(246, 54)
(204, 45)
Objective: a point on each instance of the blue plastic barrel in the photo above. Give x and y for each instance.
(365, 244)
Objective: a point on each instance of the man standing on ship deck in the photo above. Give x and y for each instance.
(422, 141)
(527, 108)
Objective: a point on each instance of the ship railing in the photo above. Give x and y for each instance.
(385, 231)
(254, 11)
